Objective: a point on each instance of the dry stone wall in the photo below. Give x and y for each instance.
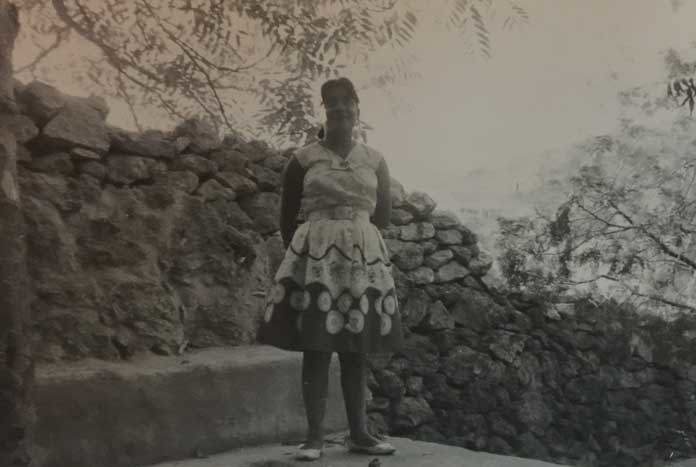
(165, 242)
(140, 242)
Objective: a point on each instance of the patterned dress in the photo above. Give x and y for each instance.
(334, 289)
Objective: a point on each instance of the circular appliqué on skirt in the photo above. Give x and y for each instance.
(385, 325)
(364, 304)
(278, 293)
(344, 302)
(378, 304)
(334, 322)
(324, 301)
(300, 300)
(269, 313)
(356, 321)
(389, 304)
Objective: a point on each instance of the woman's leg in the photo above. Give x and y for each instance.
(354, 385)
(315, 388)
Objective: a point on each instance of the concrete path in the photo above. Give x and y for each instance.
(410, 454)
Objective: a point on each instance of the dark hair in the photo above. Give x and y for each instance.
(339, 82)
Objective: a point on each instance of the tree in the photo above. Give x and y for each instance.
(16, 364)
(626, 230)
(219, 58)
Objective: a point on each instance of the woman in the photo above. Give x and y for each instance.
(334, 291)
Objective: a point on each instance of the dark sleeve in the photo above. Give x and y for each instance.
(291, 196)
(382, 214)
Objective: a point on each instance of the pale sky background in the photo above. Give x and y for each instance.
(476, 127)
(548, 84)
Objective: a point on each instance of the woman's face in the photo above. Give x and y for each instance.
(341, 109)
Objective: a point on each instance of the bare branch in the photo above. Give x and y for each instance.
(191, 57)
(61, 35)
(129, 101)
(660, 244)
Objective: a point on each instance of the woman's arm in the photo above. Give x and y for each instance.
(291, 197)
(382, 215)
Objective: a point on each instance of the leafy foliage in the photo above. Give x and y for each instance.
(626, 230)
(219, 58)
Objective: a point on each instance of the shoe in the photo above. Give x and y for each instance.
(380, 449)
(307, 454)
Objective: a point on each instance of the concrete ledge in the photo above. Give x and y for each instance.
(409, 454)
(111, 414)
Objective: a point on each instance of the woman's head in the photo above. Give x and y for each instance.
(341, 104)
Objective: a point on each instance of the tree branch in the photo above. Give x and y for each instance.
(660, 244)
(195, 63)
(61, 35)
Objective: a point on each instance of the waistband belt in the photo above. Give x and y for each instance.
(339, 213)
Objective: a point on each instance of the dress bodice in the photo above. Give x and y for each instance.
(331, 181)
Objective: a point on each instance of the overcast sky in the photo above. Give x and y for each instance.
(547, 85)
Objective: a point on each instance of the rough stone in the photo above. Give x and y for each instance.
(416, 307)
(502, 427)
(76, 126)
(411, 412)
(202, 135)
(531, 446)
(180, 180)
(276, 252)
(124, 170)
(23, 155)
(449, 237)
(480, 265)
(437, 318)
(448, 292)
(398, 194)
(444, 219)
(21, 126)
(420, 276)
(231, 160)
(420, 204)
(450, 272)
(212, 190)
(266, 179)
(391, 231)
(462, 254)
(439, 259)
(237, 183)
(414, 385)
(417, 232)
(264, 209)
(468, 237)
(477, 310)
(59, 163)
(197, 164)
(405, 255)
(256, 150)
(401, 216)
(81, 154)
(429, 246)
(419, 356)
(93, 168)
(507, 345)
(41, 101)
(390, 384)
(151, 143)
(276, 163)
(534, 413)
(465, 365)
(377, 424)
